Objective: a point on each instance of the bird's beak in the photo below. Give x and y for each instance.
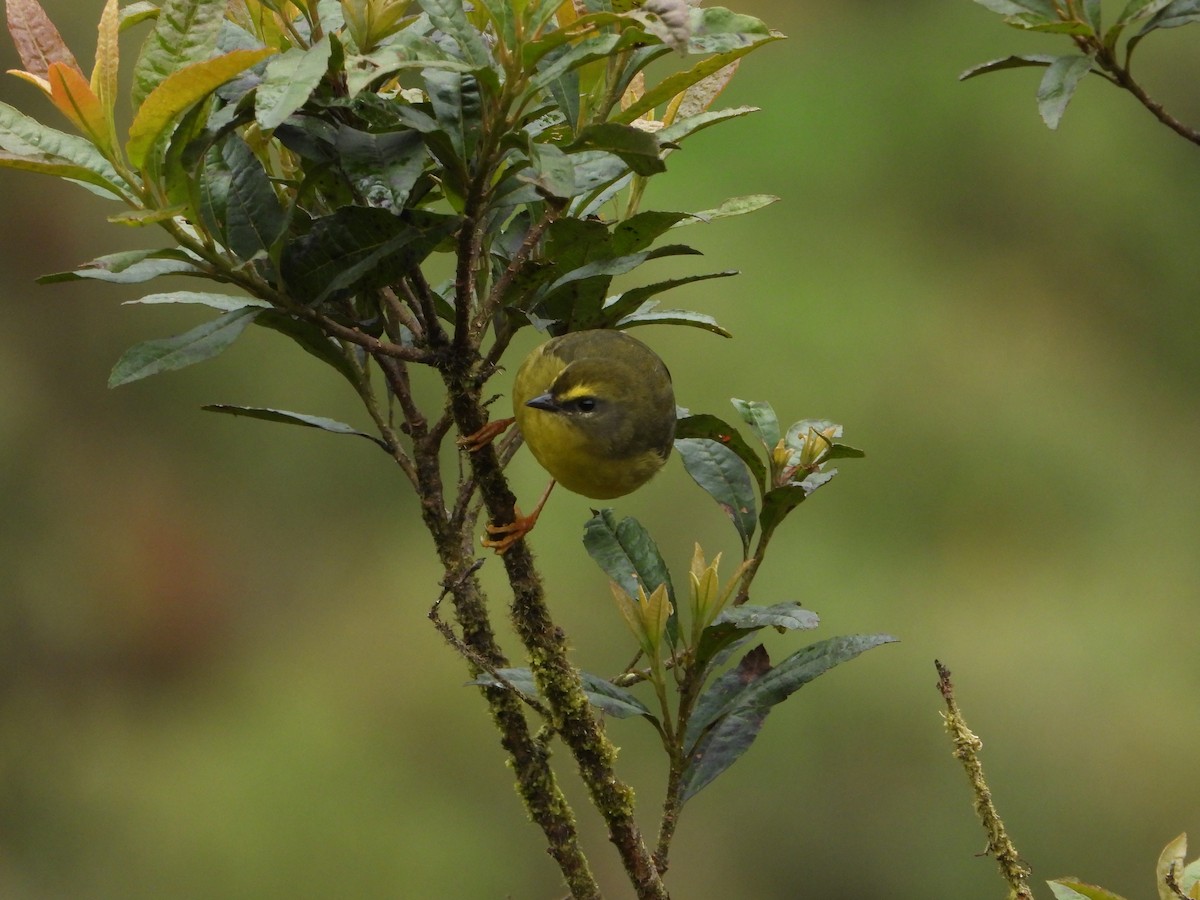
(544, 401)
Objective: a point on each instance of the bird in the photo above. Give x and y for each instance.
(597, 409)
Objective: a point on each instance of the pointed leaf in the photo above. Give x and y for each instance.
(38, 43)
(178, 93)
(641, 150)
(224, 302)
(734, 206)
(735, 623)
(780, 501)
(634, 299)
(1040, 60)
(288, 81)
(73, 96)
(108, 58)
(649, 314)
(721, 472)
(738, 722)
(1040, 8)
(292, 418)
(713, 743)
(626, 553)
(59, 168)
(168, 354)
(25, 136)
(130, 267)
(1058, 86)
(761, 418)
(254, 220)
(685, 127)
(450, 17)
(185, 32)
(716, 429)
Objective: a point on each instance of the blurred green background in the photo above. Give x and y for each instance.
(216, 675)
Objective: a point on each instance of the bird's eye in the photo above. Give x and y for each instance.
(586, 404)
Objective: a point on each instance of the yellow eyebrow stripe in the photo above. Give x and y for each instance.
(577, 391)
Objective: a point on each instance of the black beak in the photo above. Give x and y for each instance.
(544, 401)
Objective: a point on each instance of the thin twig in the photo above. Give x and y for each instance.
(966, 749)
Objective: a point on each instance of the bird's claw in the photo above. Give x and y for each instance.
(476, 441)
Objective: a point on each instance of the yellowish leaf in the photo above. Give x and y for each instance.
(179, 92)
(36, 80)
(1170, 862)
(104, 72)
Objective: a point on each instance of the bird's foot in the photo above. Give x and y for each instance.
(501, 537)
(475, 442)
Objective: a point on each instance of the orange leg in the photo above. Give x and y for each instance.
(501, 537)
(485, 435)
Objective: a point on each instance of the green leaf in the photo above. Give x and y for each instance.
(357, 248)
(736, 623)
(780, 501)
(1073, 889)
(718, 733)
(1041, 8)
(288, 81)
(641, 230)
(721, 472)
(223, 302)
(734, 206)
(185, 32)
(403, 51)
(130, 267)
(1040, 60)
(1141, 9)
(168, 354)
(44, 164)
(457, 106)
(762, 420)
(311, 339)
(628, 302)
(604, 695)
(682, 128)
(674, 84)
(1058, 86)
(579, 293)
(22, 135)
(713, 428)
(1174, 14)
(138, 12)
(640, 149)
(551, 171)
(649, 314)
(178, 93)
(735, 726)
(254, 220)
(450, 16)
(716, 29)
(626, 553)
(382, 167)
(562, 59)
(292, 418)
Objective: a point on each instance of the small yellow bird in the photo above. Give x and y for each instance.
(598, 412)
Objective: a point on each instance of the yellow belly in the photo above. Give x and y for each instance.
(563, 452)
